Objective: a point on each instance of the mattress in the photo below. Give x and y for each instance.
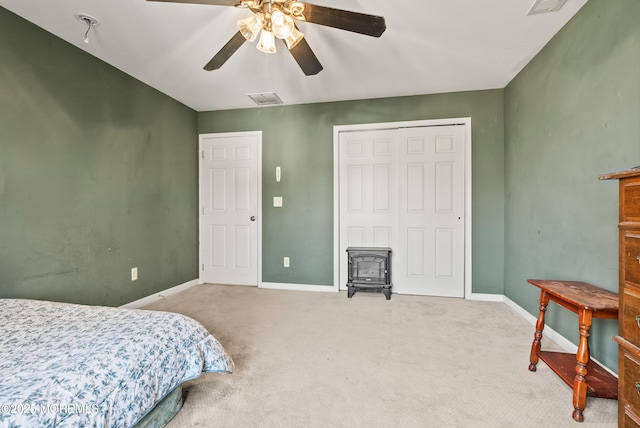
(68, 365)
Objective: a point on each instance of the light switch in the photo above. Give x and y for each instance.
(277, 201)
(278, 172)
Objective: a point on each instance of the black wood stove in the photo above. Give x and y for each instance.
(369, 270)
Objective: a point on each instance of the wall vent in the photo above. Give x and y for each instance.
(545, 6)
(266, 99)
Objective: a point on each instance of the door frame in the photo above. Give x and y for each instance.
(201, 137)
(466, 121)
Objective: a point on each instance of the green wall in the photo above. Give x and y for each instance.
(299, 138)
(573, 113)
(98, 174)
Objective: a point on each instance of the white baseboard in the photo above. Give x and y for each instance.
(154, 297)
(487, 297)
(298, 287)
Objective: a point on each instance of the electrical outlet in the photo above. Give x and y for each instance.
(286, 262)
(134, 274)
(277, 201)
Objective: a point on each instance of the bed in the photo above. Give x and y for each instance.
(68, 365)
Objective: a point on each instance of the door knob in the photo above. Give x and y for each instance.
(252, 218)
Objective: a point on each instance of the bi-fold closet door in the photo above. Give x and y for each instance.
(404, 188)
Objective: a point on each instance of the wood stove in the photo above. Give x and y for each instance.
(369, 270)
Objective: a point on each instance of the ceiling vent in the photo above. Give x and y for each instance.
(266, 99)
(544, 6)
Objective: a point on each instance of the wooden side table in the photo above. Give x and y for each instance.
(586, 377)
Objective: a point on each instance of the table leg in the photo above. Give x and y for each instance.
(582, 359)
(537, 336)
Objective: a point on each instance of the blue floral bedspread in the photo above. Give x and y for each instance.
(67, 365)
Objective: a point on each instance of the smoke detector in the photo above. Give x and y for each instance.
(545, 6)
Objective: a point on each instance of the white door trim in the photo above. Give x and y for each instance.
(258, 135)
(466, 121)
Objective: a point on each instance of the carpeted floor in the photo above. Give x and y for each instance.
(305, 359)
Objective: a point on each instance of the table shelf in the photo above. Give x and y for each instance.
(600, 382)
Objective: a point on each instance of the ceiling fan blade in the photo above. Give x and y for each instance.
(370, 25)
(305, 58)
(212, 2)
(225, 53)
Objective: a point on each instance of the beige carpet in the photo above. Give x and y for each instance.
(306, 359)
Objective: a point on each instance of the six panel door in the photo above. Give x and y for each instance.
(229, 199)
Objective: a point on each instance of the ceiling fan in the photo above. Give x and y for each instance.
(273, 19)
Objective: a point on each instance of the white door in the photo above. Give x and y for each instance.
(229, 209)
(404, 189)
(429, 257)
(368, 191)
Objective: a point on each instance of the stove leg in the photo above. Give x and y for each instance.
(350, 291)
(387, 293)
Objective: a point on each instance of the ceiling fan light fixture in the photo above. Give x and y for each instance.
(250, 27)
(294, 38)
(276, 18)
(281, 24)
(267, 43)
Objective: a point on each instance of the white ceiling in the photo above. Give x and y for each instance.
(430, 46)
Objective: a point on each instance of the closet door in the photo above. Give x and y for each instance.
(404, 189)
(429, 255)
(368, 191)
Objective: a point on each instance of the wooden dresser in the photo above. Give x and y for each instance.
(629, 291)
